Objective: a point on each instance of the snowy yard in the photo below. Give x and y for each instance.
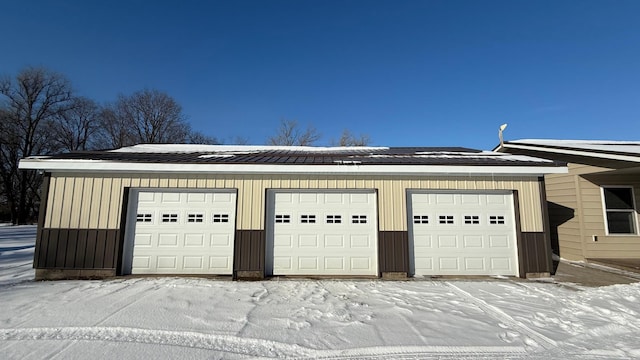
(330, 319)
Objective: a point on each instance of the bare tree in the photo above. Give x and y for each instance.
(240, 140)
(290, 134)
(31, 103)
(147, 116)
(196, 137)
(349, 139)
(76, 128)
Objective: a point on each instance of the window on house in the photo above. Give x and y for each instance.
(619, 209)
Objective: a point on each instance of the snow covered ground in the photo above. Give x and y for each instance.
(136, 318)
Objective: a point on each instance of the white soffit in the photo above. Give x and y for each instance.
(112, 166)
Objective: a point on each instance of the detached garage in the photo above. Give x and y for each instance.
(260, 211)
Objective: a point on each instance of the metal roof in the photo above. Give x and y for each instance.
(451, 156)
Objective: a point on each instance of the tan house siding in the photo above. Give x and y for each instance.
(563, 217)
(607, 246)
(95, 200)
(584, 236)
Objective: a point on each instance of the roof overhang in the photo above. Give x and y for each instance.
(566, 151)
(83, 166)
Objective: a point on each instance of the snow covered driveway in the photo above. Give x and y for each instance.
(331, 319)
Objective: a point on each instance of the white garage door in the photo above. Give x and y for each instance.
(180, 232)
(462, 233)
(322, 233)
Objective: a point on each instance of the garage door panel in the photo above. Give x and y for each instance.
(361, 241)
(475, 264)
(193, 262)
(317, 233)
(224, 198)
(334, 241)
(170, 198)
(169, 262)
(499, 241)
(143, 240)
(308, 241)
(334, 198)
(501, 264)
(470, 199)
(142, 262)
(221, 240)
(306, 263)
(449, 263)
(361, 263)
(282, 263)
(422, 241)
(196, 240)
(473, 241)
(462, 233)
(495, 200)
(423, 264)
(445, 199)
(146, 197)
(167, 240)
(196, 198)
(308, 198)
(185, 232)
(220, 263)
(334, 263)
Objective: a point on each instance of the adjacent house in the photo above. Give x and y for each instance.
(593, 208)
(260, 211)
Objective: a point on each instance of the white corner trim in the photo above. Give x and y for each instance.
(112, 166)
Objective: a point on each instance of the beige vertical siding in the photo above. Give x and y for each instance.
(95, 201)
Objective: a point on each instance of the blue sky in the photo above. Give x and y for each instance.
(408, 73)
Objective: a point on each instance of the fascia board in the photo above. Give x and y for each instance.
(110, 166)
(582, 153)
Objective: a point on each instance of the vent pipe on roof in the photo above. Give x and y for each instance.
(502, 127)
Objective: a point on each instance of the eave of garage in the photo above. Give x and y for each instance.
(83, 166)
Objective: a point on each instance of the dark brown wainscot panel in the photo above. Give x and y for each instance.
(393, 254)
(249, 253)
(62, 253)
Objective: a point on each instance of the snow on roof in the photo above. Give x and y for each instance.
(464, 155)
(630, 147)
(196, 148)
